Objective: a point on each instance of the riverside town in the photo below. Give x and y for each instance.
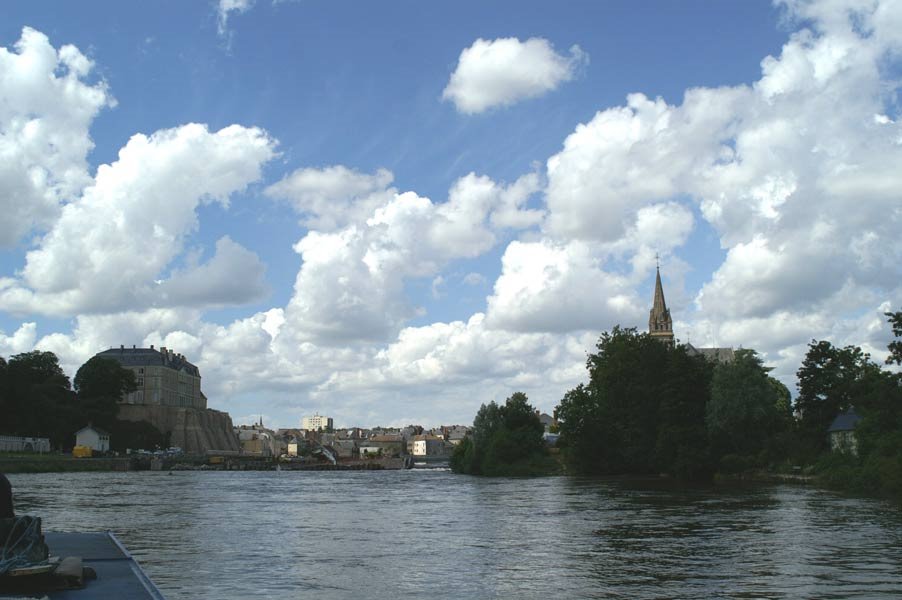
(451, 299)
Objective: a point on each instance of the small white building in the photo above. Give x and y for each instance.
(94, 438)
(428, 445)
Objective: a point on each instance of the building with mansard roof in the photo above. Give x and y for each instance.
(660, 327)
(164, 378)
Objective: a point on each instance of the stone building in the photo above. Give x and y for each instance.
(169, 398)
(660, 327)
(163, 377)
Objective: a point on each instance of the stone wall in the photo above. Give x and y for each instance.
(194, 430)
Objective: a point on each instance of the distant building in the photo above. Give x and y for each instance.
(163, 377)
(457, 434)
(715, 355)
(660, 327)
(94, 438)
(257, 440)
(9, 443)
(546, 420)
(316, 423)
(427, 445)
(842, 433)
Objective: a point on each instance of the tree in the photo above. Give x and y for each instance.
(100, 384)
(682, 448)
(610, 424)
(38, 400)
(895, 347)
(743, 412)
(505, 440)
(829, 380)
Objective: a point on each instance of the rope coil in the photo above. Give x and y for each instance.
(24, 544)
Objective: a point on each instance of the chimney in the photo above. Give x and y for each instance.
(122, 346)
(151, 346)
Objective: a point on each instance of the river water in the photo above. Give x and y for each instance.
(430, 534)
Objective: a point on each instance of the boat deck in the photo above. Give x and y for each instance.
(118, 575)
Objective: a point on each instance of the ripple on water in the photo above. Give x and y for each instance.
(421, 534)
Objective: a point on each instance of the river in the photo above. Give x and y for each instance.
(431, 534)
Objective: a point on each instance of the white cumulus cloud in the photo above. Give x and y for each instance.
(46, 109)
(504, 71)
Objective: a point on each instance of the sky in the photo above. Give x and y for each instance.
(393, 212)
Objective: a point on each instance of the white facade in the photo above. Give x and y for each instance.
(9, 443)
(97, 440)
(316, 423)
(427, 445)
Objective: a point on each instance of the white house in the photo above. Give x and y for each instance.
(94, 438)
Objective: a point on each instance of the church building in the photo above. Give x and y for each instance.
(660, 327)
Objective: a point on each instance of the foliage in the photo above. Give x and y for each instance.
(877, 396)
(829, 381)
(744, 409)
(895, 347)
(505, 440)
(100, 383)
(36, 398)
(36, 401)
(650, 408)
(136, 435)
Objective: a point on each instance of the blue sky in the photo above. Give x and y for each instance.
(392, 212)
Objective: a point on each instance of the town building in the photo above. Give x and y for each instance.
(427, 445)
(842, 433)
(94, 438)
(164, 378)
(316, 423)
(257, 440)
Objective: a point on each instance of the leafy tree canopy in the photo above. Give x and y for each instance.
(505, 440)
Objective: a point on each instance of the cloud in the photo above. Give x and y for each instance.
(504, 71)
(46, 109)
(21, 340)
(551, 287)
(111, 244)
(234, 275)
(332, 197)
(225, 9)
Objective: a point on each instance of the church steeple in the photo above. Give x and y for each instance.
(660, 326)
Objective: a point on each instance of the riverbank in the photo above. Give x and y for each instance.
(56, 463)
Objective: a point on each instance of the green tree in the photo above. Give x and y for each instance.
(895, 347)
(100, 384)
(505, 440)
(610, 424)
(682, 448)
(829, 381)
(743, 412)
(38, 400)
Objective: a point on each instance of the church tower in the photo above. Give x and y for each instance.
(660, 326)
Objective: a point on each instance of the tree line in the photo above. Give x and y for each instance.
(37, 399)
(649, 408)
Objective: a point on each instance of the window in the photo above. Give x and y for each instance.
(140, 381)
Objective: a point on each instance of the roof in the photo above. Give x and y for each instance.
(845, 422)
(141, 357)
(96, 430)
(721, 355)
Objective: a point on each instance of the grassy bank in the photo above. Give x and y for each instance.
(56, 463)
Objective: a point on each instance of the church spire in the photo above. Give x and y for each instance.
(660, 325)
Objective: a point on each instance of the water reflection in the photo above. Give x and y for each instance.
(426, 533)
